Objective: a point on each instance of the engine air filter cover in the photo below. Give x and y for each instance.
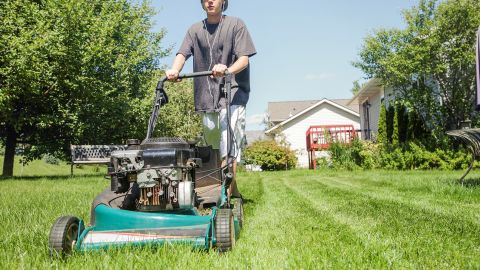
(164, 142)
(167, 157)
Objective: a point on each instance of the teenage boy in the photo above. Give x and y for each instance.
(223, 45)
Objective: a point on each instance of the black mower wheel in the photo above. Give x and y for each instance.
(238, 210)
(224, 230)
(63, 235)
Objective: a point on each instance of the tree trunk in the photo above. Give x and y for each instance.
(9, 151)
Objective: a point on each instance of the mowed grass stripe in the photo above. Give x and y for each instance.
(425, 201)
(442, 186)
(293, 220)
(415, 236)
(301, 237)
(438, 191)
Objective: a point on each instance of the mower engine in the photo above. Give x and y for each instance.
(162, 168)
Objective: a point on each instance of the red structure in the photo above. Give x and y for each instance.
(320, 137)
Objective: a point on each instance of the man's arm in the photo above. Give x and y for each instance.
(177, 66)
(239, 65)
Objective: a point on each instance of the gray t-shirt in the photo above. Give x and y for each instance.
(212, 44)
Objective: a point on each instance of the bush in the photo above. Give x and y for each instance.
(357, 154)
(50, 159)
(411, 156)
(270, 155)
(415, 156)
(343, 156)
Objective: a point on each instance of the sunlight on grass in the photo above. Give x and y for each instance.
(297, 219)
(38, 168)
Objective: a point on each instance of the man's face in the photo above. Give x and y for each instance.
(213, 7)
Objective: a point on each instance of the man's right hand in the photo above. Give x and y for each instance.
(172, 74)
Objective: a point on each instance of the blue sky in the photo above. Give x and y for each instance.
(304, 47)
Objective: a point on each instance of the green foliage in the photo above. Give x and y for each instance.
(382, 125)
(270, 155)
(390, 122)
(431, 63)
(395, 129)
(358, 154)
(356, 87)
(368, 155)
(343, 156)
(76, 71)
(50, 159)
(178, 118)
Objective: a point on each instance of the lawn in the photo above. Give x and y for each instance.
(296, 219)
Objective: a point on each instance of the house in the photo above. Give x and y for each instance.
(290, 120)
(369, 100)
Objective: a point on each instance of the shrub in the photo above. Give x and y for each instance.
(50, 159)
(411, 156)
(357, 154)
(270, 155)
(343, 156)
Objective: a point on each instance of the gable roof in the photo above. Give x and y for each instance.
(353, 111)
(281, 111)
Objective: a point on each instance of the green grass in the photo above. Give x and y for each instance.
(39, 168)
(297, 219)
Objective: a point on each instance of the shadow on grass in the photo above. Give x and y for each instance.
(49, 177)
(470, 183)
(247, 201)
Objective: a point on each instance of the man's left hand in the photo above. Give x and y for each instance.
(219, 70)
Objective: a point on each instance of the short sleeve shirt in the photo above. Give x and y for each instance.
(212, 44)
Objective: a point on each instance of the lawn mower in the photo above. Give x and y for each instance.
(163, 191)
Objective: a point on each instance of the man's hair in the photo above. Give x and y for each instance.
(225, 4)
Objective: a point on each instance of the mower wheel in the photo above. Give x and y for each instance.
(238, 210)
(63, 235)
(224, 230)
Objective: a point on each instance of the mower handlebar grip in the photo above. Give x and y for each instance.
(195, 74)
(163, 79)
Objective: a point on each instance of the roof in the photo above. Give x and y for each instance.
(371, 88)
(281, 111)
(354, 111)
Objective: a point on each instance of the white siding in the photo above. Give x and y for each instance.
(374, 113)
(324, 114)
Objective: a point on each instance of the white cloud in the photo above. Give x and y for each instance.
(255, 119)
(319, 76)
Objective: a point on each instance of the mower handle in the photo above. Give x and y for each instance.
(189, 75)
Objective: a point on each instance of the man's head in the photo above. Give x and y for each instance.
(214, 6)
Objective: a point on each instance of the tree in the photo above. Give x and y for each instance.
(382, 125)
(396, 129)
(178, 118)
(430, 63)
(390, 123)
(74, 71)
(357, 86)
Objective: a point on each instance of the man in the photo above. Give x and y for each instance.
(223, 45)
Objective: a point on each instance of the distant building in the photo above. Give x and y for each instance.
(289, 120)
